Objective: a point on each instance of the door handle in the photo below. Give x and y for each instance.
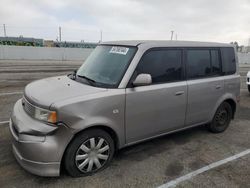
(179, 93)
(218, 87)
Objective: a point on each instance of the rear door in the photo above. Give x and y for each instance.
(161, 106)
(205, 83)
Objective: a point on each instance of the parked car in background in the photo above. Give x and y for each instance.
(126, 92)
(248, 81)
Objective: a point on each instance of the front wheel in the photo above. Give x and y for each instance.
(221, 118)
(89, 152)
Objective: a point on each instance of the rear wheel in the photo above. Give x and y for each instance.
(221, 118)
(248, 87)
(89, 152)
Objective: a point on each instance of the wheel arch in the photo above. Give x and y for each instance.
(227, 98)
(232, 104)
(105, 128)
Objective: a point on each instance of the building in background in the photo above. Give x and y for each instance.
(25, 41)
(21, 41)
(48, 43)
(69, 44)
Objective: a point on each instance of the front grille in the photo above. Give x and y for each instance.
(28, 107)
(248, 79)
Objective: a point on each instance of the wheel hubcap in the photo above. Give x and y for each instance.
(222, 117)
(92, 154)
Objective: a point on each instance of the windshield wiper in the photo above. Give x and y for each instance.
(90, 81)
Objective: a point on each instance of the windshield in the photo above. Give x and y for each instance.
(106, 65)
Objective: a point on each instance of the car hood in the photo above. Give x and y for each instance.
(47, 91)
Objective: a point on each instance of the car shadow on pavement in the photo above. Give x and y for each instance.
(143, 150)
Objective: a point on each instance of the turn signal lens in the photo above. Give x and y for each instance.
(52, 118)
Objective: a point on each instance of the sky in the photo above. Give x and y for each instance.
(195, 20)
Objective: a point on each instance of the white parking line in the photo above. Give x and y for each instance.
(175, 182)
(11, 93)
(4, 122)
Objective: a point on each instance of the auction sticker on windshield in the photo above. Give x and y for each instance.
(119, 50)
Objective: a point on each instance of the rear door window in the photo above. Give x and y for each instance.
(198, 63)
(203, 63)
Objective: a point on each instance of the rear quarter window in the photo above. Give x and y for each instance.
(228, 60)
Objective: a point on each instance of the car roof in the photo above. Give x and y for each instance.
(166, 43)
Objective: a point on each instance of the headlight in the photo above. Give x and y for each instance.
(39, 113)
(45, 115)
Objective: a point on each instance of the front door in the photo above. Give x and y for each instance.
(160, 107)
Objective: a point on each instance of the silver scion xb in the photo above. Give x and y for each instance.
(125, 92)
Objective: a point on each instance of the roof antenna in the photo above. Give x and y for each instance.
(172, 34)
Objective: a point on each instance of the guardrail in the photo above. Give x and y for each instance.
(43, 53)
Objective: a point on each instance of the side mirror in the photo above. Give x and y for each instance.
(143, 80)
(73, 74)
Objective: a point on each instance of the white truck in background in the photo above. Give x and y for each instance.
(248, 81)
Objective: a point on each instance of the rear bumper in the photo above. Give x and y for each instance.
(38, 147)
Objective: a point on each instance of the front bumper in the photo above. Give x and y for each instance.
(38, 147)
(38, 168)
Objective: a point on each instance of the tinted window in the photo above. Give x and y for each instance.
(215, 60)
(228, 59)
(198, 63)
(162, 65)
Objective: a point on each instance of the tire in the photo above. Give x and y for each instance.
(248, 86)
(222, 118)
(84, 149)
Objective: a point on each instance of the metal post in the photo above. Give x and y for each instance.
(60, 34)
(4, 30)
(172, 33)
